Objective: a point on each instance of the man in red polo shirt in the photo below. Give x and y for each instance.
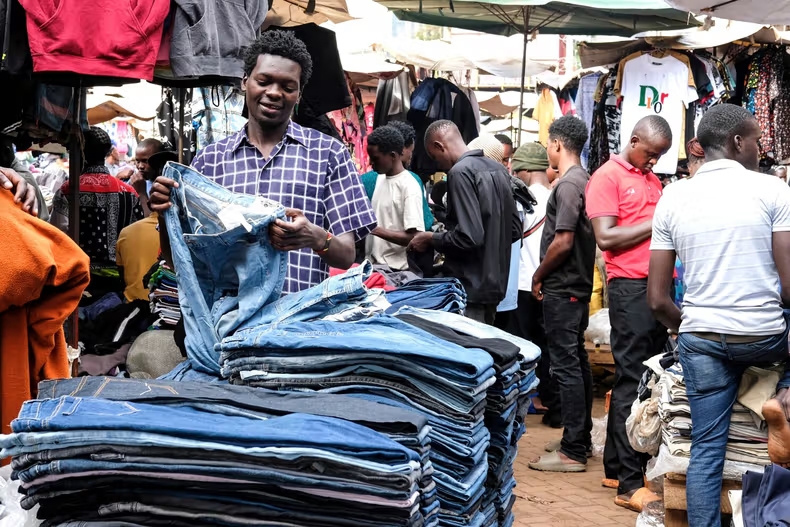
(621, 199)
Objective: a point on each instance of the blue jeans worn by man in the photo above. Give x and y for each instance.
(712, 371)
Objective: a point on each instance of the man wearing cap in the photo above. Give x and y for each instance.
(138, 244)
(530, 164)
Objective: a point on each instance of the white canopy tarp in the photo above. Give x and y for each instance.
(138, 101)
(720, 33)
(496, 57)
(773, 12)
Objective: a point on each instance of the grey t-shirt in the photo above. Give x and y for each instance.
(566, 211)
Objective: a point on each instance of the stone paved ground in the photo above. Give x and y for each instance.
(562, 500)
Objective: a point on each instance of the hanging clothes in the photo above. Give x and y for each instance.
(599, 133)
(393, 100)
(217, 113)
(469, 92)
(435, 100)
(585, 108)
(209, 37)
(656, 85)
(94, 38)
(547, 110)
(327, 89)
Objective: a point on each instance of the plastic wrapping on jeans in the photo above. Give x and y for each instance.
(226, 267)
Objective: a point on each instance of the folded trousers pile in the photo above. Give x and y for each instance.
(330, 339)
(104, 450)
(748, 435)
(439, 294)
(507, 400)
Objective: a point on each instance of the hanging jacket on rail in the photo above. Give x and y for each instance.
(209, 36)
(96, 37)
(435, 100)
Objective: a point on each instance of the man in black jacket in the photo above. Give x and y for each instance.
(482, 220)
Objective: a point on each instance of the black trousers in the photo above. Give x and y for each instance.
(566, 320)
(636, 336)
(484, 313)
(527, 322)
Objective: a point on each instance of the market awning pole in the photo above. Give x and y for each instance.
(75, 170)
(526, 13)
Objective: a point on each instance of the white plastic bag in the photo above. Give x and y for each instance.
(599, 328)
(12, 514)
(666, 463)
(651, 517)
(643, 426)
(599, 435)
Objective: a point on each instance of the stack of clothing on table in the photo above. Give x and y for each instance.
(129, 452)
(440, 294)
(507, 400)
(748, 436)
(386, 360)
(164, 297)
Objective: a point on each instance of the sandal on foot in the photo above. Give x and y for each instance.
(553, 462)
(553, 446)
(610, 483)
(636, 501)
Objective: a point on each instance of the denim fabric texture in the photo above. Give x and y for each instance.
(226, 267)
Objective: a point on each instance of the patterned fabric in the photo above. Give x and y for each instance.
(219, 113)
(613, 113)
(107, 206)
(308, 171)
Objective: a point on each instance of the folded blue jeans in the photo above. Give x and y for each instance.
(227, 268)
(712, 373)
(300, 431)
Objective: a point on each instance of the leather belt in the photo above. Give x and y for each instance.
(731, 339)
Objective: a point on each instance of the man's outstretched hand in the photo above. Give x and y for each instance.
(24, 193)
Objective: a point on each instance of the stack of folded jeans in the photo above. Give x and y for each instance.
(440, 294)
(129, 452)
(385, 360)
(507, 400)
(163, 293)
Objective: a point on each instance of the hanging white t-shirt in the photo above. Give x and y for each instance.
(656, 86)
(533, 227)
(397, 202)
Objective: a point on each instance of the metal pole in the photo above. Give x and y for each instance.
(75, 171)
(525, 11)
(181, 100)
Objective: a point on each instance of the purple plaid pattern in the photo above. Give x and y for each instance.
(308, 171)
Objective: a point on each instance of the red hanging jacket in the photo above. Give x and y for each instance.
(112, 38)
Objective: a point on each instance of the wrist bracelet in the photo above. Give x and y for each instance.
(326, 244)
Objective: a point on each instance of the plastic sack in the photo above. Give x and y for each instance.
(599, 328)
(599, 435)
(11, 513)
(666, 463)
(643, 426)
(652, 516)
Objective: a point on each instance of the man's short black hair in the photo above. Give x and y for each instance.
(505, 140)
(281, 44)
(387, 139)
(571, 132)
(406, 130)
(97, 146)
(441, 126)
(720, 124)
(656, 125)
(155, 145)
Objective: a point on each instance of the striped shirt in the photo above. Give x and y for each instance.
(308, 171)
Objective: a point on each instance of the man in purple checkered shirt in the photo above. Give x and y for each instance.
(309, 173)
